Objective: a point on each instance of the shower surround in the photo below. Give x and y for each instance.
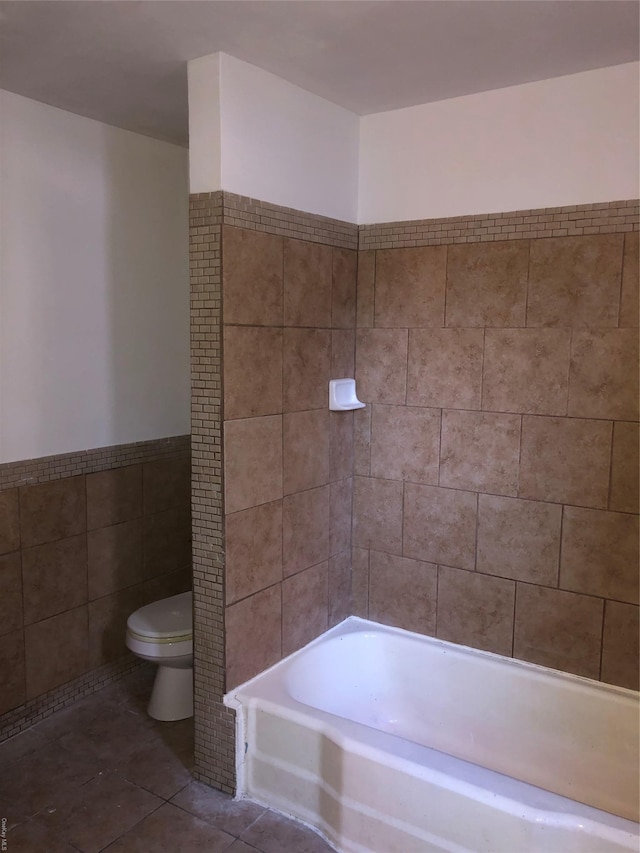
(494, 468)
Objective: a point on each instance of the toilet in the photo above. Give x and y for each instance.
(162, 633)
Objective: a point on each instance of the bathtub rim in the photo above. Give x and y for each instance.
(357, 624)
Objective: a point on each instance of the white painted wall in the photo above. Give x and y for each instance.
(568, 140)
(277, 142)
(205, 158)
(94, 291)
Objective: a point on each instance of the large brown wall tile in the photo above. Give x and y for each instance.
(439, 526)
(51, 511)
(252, 277)
(519, 539)
(340, 600)
(625, 465)
(306, 450)
(166, 542)
(307, 284)
(475, 610)
(603, 382)
(575, 281)
(565, 460)
(54, 577)
(108, 622)
(558, 629)
(114, 496)
(9, 521)
(381, 365)
(304, 607)
(620, 663)
(166, 484)
(480, 451)
(629, 308)
(365, 289)
(526, 370)
(165, 586)
(362, 441)
(487, 284)
(343, 291)
(253, 635)
(305, 529)
(340, 515)
(114, 558)
(445, 368)
(600, 554)
(360, 582)
(252, 371)
(307, 367)
(343, 354)
(341, 448)
(253, 462)
(11, 618)
(254, 550)
(377, 514)
(410, 287)
(402, 592)
(405, 443)
(12, 671)
(56, 650)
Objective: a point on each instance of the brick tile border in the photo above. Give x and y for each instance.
(574, 220)
(29, 472)
(34, 711)
(214, 723)
(257, 215)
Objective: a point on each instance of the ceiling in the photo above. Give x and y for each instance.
(124, 62)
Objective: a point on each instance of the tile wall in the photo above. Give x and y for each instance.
(289, 326)
(214, 754)
(496, 487)
(272, 520)
(78, 554)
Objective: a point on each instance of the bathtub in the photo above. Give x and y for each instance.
(391, 742)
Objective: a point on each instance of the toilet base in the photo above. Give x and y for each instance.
(172, 694)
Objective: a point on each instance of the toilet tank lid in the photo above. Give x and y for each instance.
(169, 617)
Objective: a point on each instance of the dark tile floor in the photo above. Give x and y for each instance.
(102, 775)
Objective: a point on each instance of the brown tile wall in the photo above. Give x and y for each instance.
(77, 555)
(496, 488)
(272, 521)
(289, 326)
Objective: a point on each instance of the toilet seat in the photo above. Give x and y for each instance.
(169, 620)
(142, 638)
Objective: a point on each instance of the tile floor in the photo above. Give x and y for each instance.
(102, 775)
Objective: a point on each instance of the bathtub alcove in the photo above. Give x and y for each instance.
(392, 742)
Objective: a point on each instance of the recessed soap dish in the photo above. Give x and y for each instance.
(342, 395)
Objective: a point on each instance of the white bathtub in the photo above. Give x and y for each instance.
(390, 742)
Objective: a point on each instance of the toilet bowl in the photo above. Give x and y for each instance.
(162, 633)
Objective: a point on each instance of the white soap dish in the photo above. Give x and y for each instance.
(342, 395)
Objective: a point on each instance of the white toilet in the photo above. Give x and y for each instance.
(162, 633)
